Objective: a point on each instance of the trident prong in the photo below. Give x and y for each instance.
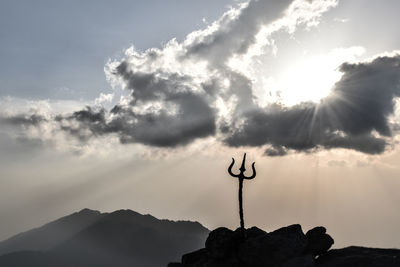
(242, 169)
(241, 177)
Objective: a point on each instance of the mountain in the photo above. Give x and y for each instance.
(90, 238)
(51, 234)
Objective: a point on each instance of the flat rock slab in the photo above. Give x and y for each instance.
(360, 257)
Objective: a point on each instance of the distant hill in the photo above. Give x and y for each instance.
(90, 238)
(51, 234)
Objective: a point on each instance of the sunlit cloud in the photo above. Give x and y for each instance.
(310, 78)
(207, 87)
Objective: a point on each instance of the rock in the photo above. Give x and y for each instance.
(285, 247)
(174, 264)
(293, 232)
(195, 259)
(227, 262)
(253, 232)
(360, 257)
(318, 242)
(302, 261)
(221, 242)
(274, 248)
(291, 240)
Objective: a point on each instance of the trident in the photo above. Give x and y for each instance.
(241, 177)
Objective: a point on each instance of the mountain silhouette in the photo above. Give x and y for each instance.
(90, 238)
(51, 234)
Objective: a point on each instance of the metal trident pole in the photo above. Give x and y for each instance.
(241, 177)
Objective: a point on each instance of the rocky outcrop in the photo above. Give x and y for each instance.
(285, 247)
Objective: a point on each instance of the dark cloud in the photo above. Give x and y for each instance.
(236, 33)
(194, 119)
(355, 115)
(275, 151)
(84, 124)
(181, 116)
(365, 96)
(22, 119)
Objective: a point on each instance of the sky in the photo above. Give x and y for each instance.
(141, 105)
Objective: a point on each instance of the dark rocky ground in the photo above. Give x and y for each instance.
(285, 247)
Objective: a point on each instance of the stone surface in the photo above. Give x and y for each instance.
(195, 259)
(285, 247)
(360, 257)
(318, 242)
(273, 248)
(255, 247)
(302, 261)
(221, 242)
(253, 232)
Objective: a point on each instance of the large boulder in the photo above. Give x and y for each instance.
(318, 241)
(221, 242)
(274, 248)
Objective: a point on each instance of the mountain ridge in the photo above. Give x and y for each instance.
(13, 243)
(122, 237)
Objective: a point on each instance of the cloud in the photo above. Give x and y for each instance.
(234, 32)
(22, 119)
(201, 87)
(275, 151)
(157, 115)
(355, 115)
(104, 98)
(178, 93)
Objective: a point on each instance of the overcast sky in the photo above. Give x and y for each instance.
(141, 105)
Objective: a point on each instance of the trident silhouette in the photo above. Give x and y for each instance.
(241, 177)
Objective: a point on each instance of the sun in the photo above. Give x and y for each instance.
(311, 77)
(309, 80)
